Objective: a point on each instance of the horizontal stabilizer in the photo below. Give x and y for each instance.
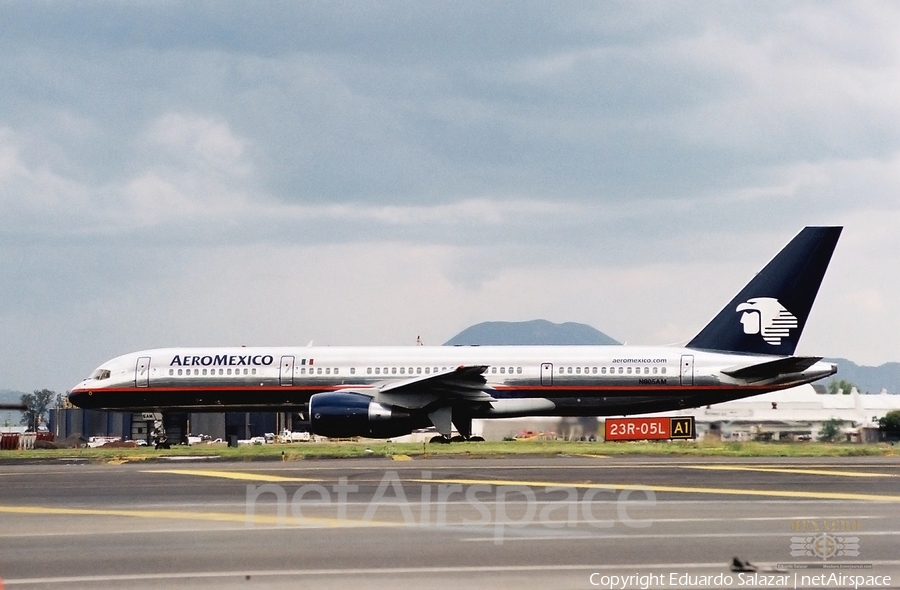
(770, 369)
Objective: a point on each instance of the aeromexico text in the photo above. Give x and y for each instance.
(260, 360)
(232, 360)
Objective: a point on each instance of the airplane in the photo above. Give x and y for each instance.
(389, 391)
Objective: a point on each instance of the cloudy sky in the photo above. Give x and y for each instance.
(188, 173)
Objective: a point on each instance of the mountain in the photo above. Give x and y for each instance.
(533, 332)
(869, 379)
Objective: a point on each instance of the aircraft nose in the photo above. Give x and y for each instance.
(79, 397)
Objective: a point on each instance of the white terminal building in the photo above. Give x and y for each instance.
(798, 413)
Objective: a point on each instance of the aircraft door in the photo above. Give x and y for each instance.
(547, 374)
(142, 372)
(687, 369)
(286, 373)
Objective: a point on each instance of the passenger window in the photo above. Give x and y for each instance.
(171, 371)
(368, 370)
(655, 369)
(622, 371)
(427, 370)
(663, 370)
(179, 371)
(378, 370)
(253, 371)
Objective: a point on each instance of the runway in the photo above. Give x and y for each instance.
(565, 522)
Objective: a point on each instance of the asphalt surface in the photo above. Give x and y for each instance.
(567, 522)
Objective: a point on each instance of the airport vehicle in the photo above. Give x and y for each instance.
(380, 392)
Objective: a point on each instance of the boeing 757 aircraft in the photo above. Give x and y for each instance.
(381, 392)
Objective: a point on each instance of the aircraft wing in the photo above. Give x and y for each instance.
(464, 382)
(772, 368)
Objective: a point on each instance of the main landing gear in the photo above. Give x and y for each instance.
(444, 418)
(443, 440)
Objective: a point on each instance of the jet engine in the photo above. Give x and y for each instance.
(343, 414)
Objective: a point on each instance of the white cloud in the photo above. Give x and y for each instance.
(362, 175)
(199, 144)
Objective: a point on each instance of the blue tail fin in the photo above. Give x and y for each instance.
(768, 315)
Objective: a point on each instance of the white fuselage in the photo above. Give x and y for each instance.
(523, 380)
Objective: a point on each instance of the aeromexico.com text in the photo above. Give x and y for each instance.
(498, 507)
(640, 361)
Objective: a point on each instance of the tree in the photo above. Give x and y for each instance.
(37, 403)
(845, 387)
(890, 424)
(830, 430)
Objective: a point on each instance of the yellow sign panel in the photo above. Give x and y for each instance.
(682, 427)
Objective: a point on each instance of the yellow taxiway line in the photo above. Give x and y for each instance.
(674, 489)
(789, 470)
(233, 475)
(604, 486)
(231, 517)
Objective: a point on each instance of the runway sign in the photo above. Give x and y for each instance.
(659, 428)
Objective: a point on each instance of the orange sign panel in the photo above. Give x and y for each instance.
(658, 428)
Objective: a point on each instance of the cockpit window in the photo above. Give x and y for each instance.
(100, 374)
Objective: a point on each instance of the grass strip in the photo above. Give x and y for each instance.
(378, 448)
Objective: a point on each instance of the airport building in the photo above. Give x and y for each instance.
(798, 413)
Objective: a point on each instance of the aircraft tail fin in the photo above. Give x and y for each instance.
(769, 314)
